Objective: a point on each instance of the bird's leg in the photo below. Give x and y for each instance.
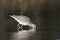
(21, 27)
(18, 27)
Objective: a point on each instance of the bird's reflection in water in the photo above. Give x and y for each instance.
(21, 35)
(24, 34)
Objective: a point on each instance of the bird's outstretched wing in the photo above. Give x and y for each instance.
(21, 19)
(14, 17)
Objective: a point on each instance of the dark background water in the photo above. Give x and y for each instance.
(46, 16)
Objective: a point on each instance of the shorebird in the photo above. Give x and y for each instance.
(24, 20)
